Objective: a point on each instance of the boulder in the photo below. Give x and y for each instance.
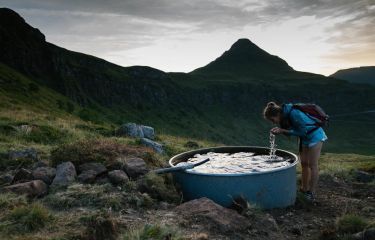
(216, 216)
(22, 175)
(98, 168)
(39, 164)
(131, 130)
(46, 174)
(29, 153)
(135, 167)
(362, 176)
(118, 177)
(148, 132)
(65, 174)
(87, 176)
(6, 179)
(157, 147)
(368, 234)
(35, 188)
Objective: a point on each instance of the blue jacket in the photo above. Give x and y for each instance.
(301, 124)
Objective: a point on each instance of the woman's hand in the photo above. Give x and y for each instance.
(277, 130)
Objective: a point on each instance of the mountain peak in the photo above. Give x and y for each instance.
(15, 25)
(246, 59)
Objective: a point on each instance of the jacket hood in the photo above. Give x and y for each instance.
(287, 107)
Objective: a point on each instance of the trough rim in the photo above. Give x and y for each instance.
(235, 174)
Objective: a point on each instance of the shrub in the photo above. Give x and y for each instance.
(351, 223)
(94, 150)
(157, 188)
(100, 226)
(46, 135)
(28, 218)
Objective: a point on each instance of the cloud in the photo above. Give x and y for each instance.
(113, 27)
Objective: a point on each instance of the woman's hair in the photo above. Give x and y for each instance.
(271, 110)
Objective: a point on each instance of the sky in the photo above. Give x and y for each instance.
(319, 36)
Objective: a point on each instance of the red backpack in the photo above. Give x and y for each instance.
(314, 112)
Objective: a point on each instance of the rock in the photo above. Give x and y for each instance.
(6, 179)
(98, 168)
(154, 145)
(368, 234)
(46, 174)
(22, 175)
(102, 180)
(131, 130)
(135, 167)
(29, 153)
(39, 164)
(87, 176)
(148, 132)
(118, 177)
(65, 174)
(362, 176)
(221, 218)
(35, 188)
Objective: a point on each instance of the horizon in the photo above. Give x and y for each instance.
(178, 37)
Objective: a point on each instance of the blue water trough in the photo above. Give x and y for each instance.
(275, 188)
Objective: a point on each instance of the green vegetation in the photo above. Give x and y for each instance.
(350, 223)
(150, 231)
(27, 218)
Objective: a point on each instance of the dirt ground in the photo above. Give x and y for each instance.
(302, 221)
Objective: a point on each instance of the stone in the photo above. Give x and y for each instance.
(131, 130)
(6, 179)
(35, 188)
(29, 153)
(39, 164)
(87, 176)
(148, 132)
(362, 176)
(216, 216)
(65, 174)
(118, 177)
(98, 168)
(157, 147)
(368, 234)
(46, 174)
(135, 167)
(22, 175)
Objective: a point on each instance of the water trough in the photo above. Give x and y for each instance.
(275, 188)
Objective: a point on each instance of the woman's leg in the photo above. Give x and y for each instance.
(305, 169)
(313, 155)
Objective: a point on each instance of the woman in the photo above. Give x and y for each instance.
(297, 123)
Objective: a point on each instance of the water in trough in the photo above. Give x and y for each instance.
(240, 162)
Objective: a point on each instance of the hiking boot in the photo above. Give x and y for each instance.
(310, 196)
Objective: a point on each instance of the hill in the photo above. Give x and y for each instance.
(220, 102)
(357, 75)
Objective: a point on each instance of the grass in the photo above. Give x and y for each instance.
(26, 219)
(153, 231)
(350, 223)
